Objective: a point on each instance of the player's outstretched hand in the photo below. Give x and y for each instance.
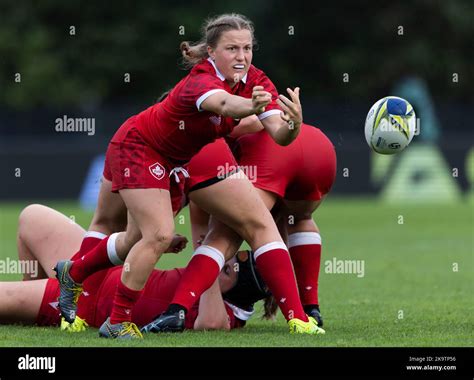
(293, 113)
(177, 244)
(260, 99)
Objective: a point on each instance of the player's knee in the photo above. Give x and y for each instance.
(303, 224)
(254, 227)
(28, 217)
(159, 240)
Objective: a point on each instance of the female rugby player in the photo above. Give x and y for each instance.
(144, 150)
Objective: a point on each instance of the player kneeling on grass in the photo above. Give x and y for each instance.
(227, 304)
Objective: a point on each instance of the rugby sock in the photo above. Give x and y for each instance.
(102, 256)
(91, 239)
(198, 276)
(274, 265)
(124, 300)
(305, 252)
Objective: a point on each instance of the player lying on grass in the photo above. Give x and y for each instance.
(222, 86)
(46, 235)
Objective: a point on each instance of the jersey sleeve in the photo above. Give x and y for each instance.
(273, 108)
(199, 87)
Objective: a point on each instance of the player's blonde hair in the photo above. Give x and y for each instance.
(212, 30)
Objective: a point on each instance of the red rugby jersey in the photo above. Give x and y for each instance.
(178, 128)
(157, 295)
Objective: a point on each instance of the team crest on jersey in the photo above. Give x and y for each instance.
(216, 120)
(157, 170)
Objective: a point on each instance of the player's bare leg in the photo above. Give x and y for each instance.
(152, 212)
(245, 214)
(199, 223)
(20, 301)
(110, 214)
(240, 207)
(37, 225)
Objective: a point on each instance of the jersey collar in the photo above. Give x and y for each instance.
(219, 74)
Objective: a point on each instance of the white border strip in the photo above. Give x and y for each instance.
(95, 234)
(269, 247)
(205, 96)
(211, 252)
(111, 251)
(265, 114)
(303, 238)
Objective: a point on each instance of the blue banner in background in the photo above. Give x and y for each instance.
(91, 186)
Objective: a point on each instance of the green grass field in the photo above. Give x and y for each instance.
(417, 289)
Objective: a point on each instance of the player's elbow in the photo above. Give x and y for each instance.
(282, 139)
(279, 130)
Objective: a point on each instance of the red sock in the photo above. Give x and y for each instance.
(305, 252)
(91, 239)
(274, 265)
(102, 256)
(124, 300)
(199, 275)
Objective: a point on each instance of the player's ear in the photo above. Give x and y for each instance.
(210, 52)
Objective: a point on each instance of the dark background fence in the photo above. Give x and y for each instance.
(107, 61)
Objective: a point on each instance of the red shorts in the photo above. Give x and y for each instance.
(49, 314)
(212, 164)
(303, 170)
(130, 163)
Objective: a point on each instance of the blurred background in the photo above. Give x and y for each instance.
(102, 62)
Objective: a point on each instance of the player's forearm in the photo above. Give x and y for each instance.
(237, 107)
(249, 124)
(282, 132)
(212, 313)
